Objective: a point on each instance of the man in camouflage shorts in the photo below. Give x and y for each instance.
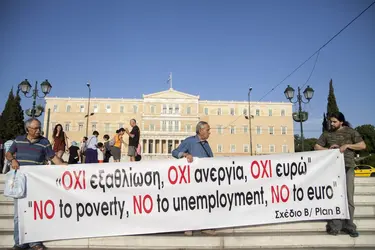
(348, 140)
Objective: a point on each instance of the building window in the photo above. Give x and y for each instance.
(106, 127)
(170, 109)
(270, 130)
(96, 108)
(257, 112)
(170, 126)
(269, 112)
(164, 125)
(120, 125)
(244, 111)
(188, 110)
(246, 148)
(259, 130)
(82, 108)
(135, 109)
(188, 127)
(283, 130)
(219, 148)
(68, 107)
(283, 112)
(259, 148)
(246, 129)
(152, 109)
(80, 126)
(232, 148)
(285, 148)
(232, 111)
(152, 127)
(93, 126)
(55, 108)
(108, 108)
(53, 124)
(219, 111)
(232, 130)
(176, 126)
(176, 109)
(220, 129)
(206, 111)
(67, 126)
(272, 148)
(121, 109)
(164, 108)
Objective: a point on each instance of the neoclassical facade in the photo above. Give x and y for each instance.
(168, 117)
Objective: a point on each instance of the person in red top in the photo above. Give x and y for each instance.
(60, 141)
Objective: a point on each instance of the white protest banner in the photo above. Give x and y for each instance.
(92, 200)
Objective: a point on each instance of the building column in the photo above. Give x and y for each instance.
(153, 147)
(160, 147)
(147, 145)
(167, 147)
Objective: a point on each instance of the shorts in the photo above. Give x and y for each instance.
(132, 151)
(116, 153)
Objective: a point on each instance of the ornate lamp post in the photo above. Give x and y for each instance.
(300, 116)
(249, 118)
(25, 87)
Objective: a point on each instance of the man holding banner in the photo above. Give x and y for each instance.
(30, 149)
(348, 140)
(196, 146)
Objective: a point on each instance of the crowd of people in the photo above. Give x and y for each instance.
(90, 150)
(35, 149)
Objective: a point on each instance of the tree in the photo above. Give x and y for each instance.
(309, 144)
(18, 128)
(324, 123)
(331, 105)
(7, 112)
(11, 122)
(368, 134)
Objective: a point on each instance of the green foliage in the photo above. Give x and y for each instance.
(369, 160)
(368, 134)
(332, 104)
(309, 144)
(324, 123)
(331, 107)
(11, 121)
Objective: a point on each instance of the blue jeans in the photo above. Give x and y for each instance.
(16, 234)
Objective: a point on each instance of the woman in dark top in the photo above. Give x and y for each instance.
(73, 153)
(60, 141)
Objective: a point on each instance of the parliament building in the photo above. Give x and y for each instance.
(168, 117)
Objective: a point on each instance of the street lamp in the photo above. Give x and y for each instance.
(300, 116)
(25, 87)
(88, 110)
(249, 118)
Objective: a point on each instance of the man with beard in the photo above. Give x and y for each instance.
(348, 140)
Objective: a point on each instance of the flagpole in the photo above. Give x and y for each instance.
(170, 80)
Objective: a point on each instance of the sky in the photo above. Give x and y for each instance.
(215, 49)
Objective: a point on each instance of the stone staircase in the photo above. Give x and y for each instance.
(301, 235)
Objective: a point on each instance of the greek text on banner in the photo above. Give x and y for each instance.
(173, 195)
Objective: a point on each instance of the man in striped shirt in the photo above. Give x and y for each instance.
(30, 149)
